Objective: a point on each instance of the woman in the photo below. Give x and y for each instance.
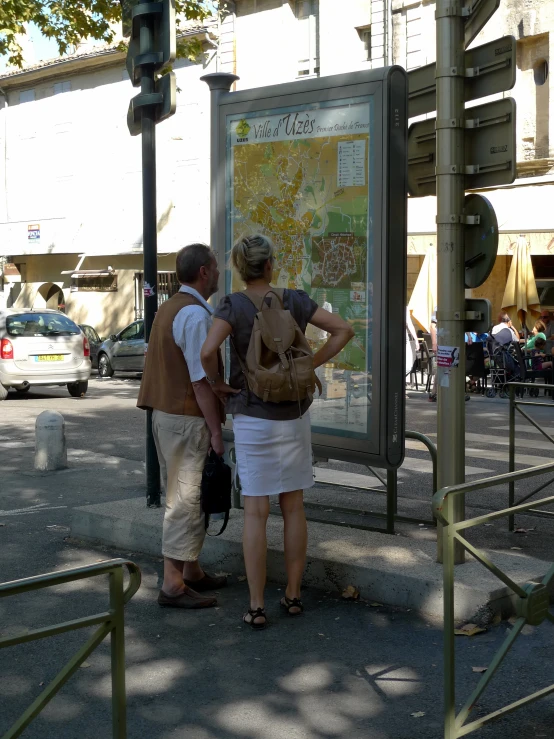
(272, 440)
(539, 332)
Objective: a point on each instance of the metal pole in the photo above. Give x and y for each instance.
(392, 499)
(117, 638)
(218, 82)
(149, 242)
(512, 455)
(450, 253)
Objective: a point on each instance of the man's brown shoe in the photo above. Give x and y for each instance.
(189, 599)
(208, 582)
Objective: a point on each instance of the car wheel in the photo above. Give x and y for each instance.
(3, 392)
(105, 368)
(77, 389)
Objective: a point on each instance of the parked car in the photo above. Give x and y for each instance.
(40, 348)
(94, 341)
(123, 352)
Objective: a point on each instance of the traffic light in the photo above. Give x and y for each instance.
(152, 46)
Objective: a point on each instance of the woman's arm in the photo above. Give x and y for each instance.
(340, 333)
(217, 334)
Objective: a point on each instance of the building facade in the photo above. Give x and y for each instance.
(70, 173)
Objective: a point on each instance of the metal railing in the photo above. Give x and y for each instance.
(109, 622)
(532, 599)
(390, 482)
(515, 405)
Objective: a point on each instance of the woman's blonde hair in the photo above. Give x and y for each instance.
(249, 255)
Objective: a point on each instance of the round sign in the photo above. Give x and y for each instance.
(480, 241)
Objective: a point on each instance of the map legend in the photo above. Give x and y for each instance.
(351, 164)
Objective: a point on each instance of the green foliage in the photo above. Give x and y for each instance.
(69, 22)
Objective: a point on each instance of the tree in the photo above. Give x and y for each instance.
(69, 22)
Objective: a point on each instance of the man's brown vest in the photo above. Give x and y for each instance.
(166, 384)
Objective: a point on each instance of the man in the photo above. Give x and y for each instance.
(549, 325)
(186, 421)
(504, 332)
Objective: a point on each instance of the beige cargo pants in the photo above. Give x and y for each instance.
(182, 443)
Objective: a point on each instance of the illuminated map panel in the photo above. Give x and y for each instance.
(301, 176)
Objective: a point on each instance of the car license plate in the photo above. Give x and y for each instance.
(49, 358)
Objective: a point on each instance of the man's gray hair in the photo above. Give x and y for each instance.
(189, 261)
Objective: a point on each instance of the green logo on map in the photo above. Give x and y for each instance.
(243, 128)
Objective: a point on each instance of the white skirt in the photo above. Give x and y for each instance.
(273, 456)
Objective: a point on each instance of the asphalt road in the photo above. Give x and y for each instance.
(343, 669)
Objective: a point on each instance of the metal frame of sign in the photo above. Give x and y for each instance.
(386, 91)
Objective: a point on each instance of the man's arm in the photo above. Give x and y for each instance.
(209, 405)
(190, 329)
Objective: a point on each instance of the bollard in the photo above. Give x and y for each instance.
(50, 446)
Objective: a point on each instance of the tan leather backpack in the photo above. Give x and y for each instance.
(279, 361)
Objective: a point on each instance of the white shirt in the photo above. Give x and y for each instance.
(190, 328)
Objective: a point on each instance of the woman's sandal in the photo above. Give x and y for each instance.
(255, 613)
(292, 603)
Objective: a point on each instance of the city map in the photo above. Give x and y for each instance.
(301, 179)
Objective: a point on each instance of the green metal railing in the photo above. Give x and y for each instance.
(532, 599)
(515, 405)
(110, 622)
(390, 483)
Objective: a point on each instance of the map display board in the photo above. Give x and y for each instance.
(309, 175)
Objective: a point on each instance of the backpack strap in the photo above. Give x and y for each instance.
(260, 303)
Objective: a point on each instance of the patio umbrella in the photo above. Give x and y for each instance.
(423, 302)
(520, 296)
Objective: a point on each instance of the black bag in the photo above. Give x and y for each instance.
(215, 491)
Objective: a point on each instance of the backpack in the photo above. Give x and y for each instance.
(279, 363)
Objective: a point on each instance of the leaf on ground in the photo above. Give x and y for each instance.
(524, 531)
(469, 630)
(516, 548)
(418, 714)
(241, 578)
(84, 665)
(479, 669)
(351, 593)
(374, 604)
(41, 684)
(223, 574)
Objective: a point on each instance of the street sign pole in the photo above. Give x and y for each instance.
(150, 242)
(450, 73)
(152, 46)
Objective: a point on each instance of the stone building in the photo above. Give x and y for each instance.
(70, 183)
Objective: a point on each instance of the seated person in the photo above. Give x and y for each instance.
(538, 357)
(548, 321)
(538, 332)
(504, 332)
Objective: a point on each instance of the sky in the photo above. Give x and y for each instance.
(36, 48)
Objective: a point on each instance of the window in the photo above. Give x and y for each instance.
(101, 282)
(364, 32)
(60, 87)
(91, 334)
(27, 96)
(540, 72)
(307, 14)
(40, 324)
(134, 332)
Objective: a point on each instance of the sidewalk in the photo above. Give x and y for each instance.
(345, 669)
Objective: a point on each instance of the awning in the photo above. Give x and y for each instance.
(93, 273)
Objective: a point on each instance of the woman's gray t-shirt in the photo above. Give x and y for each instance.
(239, 311)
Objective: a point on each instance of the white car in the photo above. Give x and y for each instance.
(42, 347)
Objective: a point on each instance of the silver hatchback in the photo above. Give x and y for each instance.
(42, 347)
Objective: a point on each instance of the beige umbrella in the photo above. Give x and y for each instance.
(423, 301)
(520, 296)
